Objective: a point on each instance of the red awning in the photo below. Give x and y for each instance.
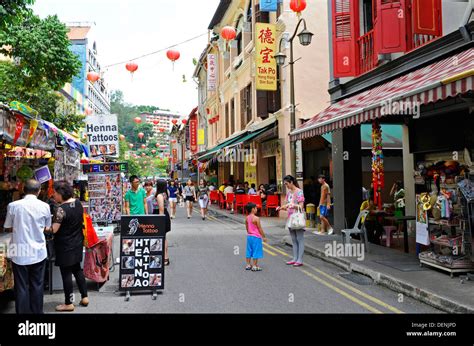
(432, 83)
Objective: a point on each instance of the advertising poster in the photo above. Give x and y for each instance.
(422, 233)
(265, 50)
(142, 242)
(102, 136)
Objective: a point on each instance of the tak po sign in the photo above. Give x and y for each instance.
(265, 49)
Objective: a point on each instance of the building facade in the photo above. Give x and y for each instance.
(90, 96)
(162, 122)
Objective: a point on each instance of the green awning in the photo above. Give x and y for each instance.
(216, 149)
(251, 135)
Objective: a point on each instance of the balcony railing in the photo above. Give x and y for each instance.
(367, 56)
(421, 40)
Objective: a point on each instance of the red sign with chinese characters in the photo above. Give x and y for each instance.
(175, 155)
(193, 134)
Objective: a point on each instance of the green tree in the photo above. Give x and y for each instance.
(42, 64)
(11, 11)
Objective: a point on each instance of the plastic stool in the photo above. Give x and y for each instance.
(389, 233)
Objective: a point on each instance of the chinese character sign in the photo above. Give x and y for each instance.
(265, 48)
(193, 134)
(211, 72)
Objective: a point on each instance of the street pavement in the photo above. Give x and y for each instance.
(207, 275)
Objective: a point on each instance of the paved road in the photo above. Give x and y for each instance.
(207, 275)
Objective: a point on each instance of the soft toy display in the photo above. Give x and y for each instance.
(378, 178)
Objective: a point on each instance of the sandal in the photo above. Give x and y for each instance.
(167, 262)
(65, 308)
(248, 267)
(256, 269)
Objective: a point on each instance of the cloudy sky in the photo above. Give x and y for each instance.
(125, 29)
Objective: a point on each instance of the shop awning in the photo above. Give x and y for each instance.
(249, 136)
(446, 78)
(210, 154)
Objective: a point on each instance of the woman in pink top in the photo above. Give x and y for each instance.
(254, 238)
(294, 197)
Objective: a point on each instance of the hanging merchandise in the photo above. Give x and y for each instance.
(20, 122)
(378, 179)
(33, 126)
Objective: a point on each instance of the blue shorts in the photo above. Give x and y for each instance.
(254, 247)
(323, 211)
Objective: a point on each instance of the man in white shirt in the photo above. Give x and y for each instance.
(229, 189)
(28, 219)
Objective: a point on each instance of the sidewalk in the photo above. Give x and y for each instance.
(388, 267)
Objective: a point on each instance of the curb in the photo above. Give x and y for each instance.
(390, 282)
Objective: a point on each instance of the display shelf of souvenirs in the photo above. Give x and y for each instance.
(449, 263)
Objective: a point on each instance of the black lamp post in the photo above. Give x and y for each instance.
(305, 40)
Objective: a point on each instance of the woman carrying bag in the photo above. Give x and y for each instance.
(296, 219)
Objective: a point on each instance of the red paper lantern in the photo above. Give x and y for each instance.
(143, 154)
(184, 121)
(93, 77)
(143, 146)
(89, 111)
(173, 141)
(162, 130)
(173, 55)
(156, 122)
(141, 135)
(157, 145)
(174, 121)
(130, 145)
(298, 6)
(122, 137)
(153, 151)
(228, 33)
(131, 67)
(137, 120)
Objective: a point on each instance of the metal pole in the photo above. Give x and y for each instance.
(292, 110)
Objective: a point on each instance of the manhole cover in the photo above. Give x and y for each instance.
(358, 279)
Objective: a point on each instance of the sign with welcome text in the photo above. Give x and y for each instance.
(265, 50)
(102, 136)
(142, 242)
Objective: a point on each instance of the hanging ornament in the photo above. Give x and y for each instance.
(130, 145)
(298, 6)
(137, 120)
(143, 154)
(93, 77)
(131, 67)
(157, 145)
(174, 121)
(153, 151)
(143, 146)
(122, 137)
(173, 55)
(228, 33)
(184, 121)
(162, 130)
(156, 122)
(141, 135)
(89, 111)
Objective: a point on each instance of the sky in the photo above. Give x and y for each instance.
(126, 29)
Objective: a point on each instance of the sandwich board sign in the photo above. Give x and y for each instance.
(142, 241)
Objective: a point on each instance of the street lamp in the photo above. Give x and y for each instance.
(305, 38)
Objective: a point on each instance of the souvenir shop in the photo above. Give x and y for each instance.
(443, 148)
(31, 148)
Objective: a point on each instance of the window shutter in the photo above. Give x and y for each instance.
(243, 108)
(344, 31)
(248, 100)
(391, 26)
(262, 103)
(427, 18)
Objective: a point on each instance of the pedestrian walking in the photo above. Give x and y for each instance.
(189, 192)
(203, 194)
(28, 219)
(135, 198)
(68, 243)
(180, 194)
(163, 203)
(294, 198)
(325, 206)
(173, 198)
(150, 197)
(255, 238)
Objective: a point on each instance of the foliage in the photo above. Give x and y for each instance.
(13, 10)
(41, 64)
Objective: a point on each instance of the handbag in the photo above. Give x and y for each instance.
(297, 220)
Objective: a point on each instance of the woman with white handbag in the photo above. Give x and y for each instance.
(296, 218)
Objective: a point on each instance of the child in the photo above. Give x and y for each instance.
(254, 238)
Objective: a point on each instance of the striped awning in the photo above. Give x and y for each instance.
(446, 78)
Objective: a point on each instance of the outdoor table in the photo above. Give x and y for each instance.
(405, 220)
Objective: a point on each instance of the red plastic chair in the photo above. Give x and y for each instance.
(257, 200)
(230, 199)
(214, 197)
(222, 203)
(273, 202)
(240, 202)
